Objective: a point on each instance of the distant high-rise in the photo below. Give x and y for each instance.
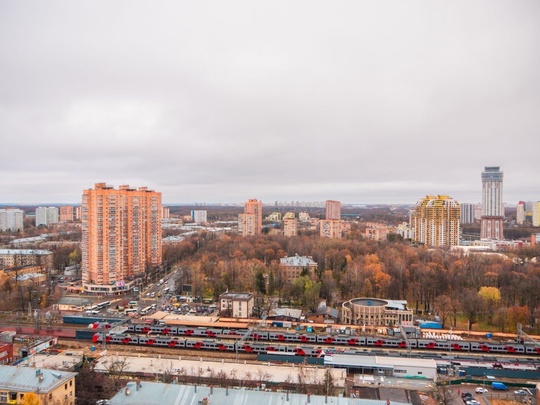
(199, 216)
(435, 221)
(250, 222)
(121, 236)
(11, 219)
(536, 213)
(67, 213)
(333, 210)
(520, 213)
(467, 213)
(46, 215)
(330, 228)
(290, 226)
(491, 223)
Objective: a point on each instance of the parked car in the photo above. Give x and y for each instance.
(473, 402)
(520, 392)
(466, 394)
(480, 390)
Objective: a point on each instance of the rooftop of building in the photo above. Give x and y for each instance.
(297, 261)
(355, 360)
(400, 305)
(24, 252)
(236, 296)
(27, 379)
(285, 312)
(150, 393)
(331, 312)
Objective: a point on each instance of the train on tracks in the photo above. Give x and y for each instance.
(254, 341)
(207, 344)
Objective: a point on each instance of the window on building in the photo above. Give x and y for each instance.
(3, 397)
(71, 383)
(65, 386)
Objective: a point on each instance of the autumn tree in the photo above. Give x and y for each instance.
(443, 307)
(472, 306)
(491, 297)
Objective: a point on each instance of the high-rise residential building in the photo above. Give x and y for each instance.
(46, 215)
(199, 216)
(520, 213)
(435, 221)
(78, 213)
(250, 222)
(11, 219)
(467, 213)
(290, 226)
(536, 213)
(333, 210)
(166, 212)
(303, 217)
(491, 223)
(67, 213)
(330, 228)
(121, 236)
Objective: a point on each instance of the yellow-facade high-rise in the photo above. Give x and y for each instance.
(435, 221)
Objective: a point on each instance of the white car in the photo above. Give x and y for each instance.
(480, 390)
(473, 402)
(520, 392)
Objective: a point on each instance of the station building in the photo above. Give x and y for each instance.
(384, 366)
(376, 312)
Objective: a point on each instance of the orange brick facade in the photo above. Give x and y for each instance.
(121, 236)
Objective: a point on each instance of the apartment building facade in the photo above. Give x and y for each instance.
(435, 221)
(121, 236)
(250, 222)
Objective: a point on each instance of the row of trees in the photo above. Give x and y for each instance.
(432, 280)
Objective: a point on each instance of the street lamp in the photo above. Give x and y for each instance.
(450, 340)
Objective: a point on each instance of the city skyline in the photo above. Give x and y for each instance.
(208, 102)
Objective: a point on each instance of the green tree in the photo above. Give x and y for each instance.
(260, 283)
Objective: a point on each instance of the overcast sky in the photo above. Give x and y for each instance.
(221, 101)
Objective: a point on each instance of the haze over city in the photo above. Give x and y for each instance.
(360, 101)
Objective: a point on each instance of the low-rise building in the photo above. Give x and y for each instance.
(239, 305)
(50, 386)
(24, 257)
(285, 314)
(293, 266)
(323, 315)
(6, 353)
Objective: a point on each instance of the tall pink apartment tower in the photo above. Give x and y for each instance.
(121, 236)
(250, 222)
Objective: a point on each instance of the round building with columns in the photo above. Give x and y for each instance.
(376, 312)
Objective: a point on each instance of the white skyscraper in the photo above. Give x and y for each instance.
(11, 219)
(199, 216)
(492, 204)
(467, 213)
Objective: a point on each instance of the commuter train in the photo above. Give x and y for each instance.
(338, 340)
(208, 344)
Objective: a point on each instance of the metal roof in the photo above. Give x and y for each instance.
(24, 252)
(149, 393)
(355, 360)
(26, 379)
(298, 261)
